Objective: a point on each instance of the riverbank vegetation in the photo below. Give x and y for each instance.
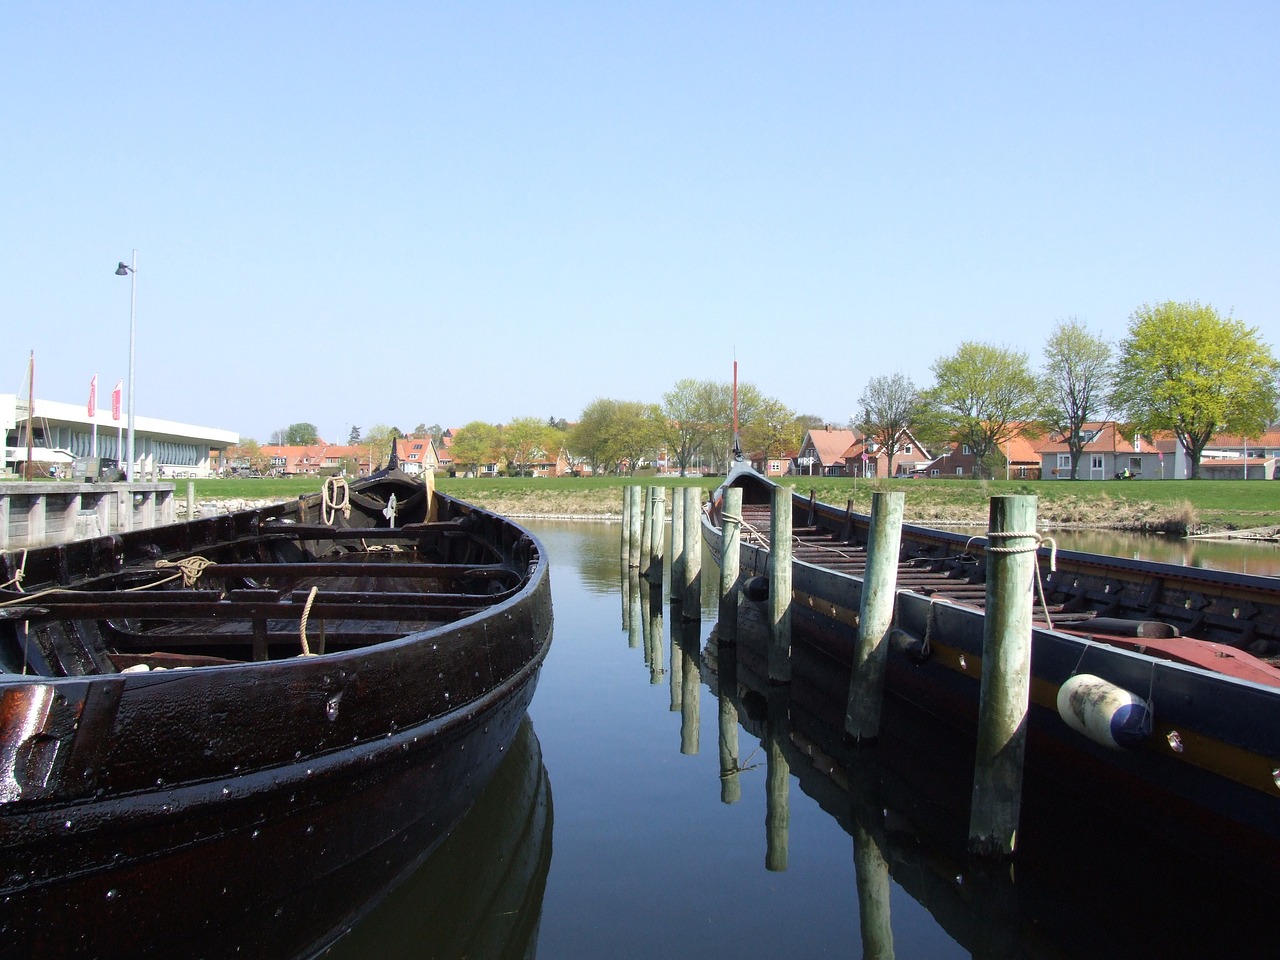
(1151, 505)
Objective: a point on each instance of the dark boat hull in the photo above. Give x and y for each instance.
(1210, 767)
(243, 806)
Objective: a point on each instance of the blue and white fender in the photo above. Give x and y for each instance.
(1103, 712)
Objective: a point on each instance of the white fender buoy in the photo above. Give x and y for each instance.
(1103, 712)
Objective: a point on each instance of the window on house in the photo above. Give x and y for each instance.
(1095, 461)
(935, 472)
(906, 448)
(1064, 462)
(959, 471)
(1135, 466)
(966, 451)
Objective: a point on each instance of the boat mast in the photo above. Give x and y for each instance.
(737, 444)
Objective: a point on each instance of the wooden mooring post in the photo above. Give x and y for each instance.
(875, 616)
(677, 542)
(635, 525)
(730, 561)
(1006, 676)
(657, 534)
(691, 607)
(780, 553)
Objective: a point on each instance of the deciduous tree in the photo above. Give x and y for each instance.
(982, 397)
(772, 431)
(890, 404)
(378, 439)
(613, 434)
(1184, 368)
(475, 445)
(526, 439)
(1077, 377)
(301, 435)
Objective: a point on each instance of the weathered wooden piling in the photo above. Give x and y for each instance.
(730, 558)
(691, 607)
(657, 533)
(677, 543)
(875, 616)
(780, 586)
(1006, 676)
(636, 525)
(646, 532)
(625, 538)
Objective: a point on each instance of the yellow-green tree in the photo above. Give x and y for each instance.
(1185, 369)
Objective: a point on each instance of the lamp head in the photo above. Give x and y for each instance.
(122, 270)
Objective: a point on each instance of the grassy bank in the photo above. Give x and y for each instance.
(1169, 505)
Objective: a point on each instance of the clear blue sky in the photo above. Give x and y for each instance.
(352, 214)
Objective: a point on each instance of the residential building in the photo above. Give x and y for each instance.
(1107, 453)
(417, 455)
(822, 452)
(317, 458)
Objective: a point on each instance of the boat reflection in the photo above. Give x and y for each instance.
(479, 895)
(1082, 884)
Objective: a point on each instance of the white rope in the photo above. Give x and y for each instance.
(1033, 546)
(336, 496)
(16, 582)
(302, 626)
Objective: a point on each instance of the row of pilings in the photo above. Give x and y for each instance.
(1011, 567)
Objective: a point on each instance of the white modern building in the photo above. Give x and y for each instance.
(63, 432)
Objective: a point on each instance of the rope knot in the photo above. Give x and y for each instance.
(191, 567)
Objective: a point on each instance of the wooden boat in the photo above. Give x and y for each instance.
(221, 731)
(1190, 646)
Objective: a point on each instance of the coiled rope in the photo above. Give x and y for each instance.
(336, 496)
(190, 567)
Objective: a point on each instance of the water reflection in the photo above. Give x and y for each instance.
(480, 894)
(1082, 885)
(1234, 556)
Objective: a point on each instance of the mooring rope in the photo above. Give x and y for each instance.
(16, 580)
(302, 625)
(336, 496)
(1036, 540)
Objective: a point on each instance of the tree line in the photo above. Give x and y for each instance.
(1181, 368)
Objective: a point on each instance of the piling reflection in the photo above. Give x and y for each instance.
(1082, 884)
(480, 894)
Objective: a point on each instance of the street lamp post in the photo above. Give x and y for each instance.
(132, 272)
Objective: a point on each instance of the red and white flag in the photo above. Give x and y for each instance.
(93, 396)
(115, 400)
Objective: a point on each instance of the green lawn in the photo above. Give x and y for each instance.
(1151, 503)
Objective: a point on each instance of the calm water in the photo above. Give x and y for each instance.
(610, 831)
